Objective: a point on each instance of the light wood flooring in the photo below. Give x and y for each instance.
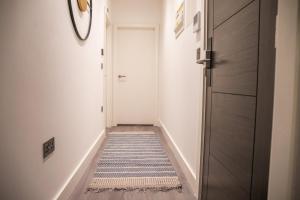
(81, 194)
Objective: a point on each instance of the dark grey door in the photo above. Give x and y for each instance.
(237, 145)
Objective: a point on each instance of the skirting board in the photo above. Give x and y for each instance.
(76, 175)
(189, 174)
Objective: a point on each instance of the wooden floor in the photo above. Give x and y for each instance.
(81, 194)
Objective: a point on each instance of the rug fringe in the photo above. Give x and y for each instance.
(129, 189)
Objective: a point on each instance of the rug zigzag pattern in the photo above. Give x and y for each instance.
(134, 161)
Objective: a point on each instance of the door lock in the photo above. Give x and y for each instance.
(207, 61)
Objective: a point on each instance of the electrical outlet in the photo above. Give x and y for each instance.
(48, 147)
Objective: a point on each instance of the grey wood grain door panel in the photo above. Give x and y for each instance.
(236, 53)
(239, 99)
(232, 135)
(224, 9)
(222, 185)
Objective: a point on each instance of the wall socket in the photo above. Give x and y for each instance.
(48, 147)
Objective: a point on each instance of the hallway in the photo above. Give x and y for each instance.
(81, 193)
(150, 100)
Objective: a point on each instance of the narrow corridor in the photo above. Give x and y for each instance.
(150, 100)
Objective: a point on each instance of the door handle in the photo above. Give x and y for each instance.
(207, 58)
(203, 61)
(121, 76)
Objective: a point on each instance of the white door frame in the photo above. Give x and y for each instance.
(108, 69)
(110, 73)
(200, 152)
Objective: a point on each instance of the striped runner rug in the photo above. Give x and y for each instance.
(134, 161)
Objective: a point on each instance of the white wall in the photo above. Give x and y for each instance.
(284, 170)
(50, 85)
(180, 86)
(136, 11)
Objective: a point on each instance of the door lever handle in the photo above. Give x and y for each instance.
(203, 61)
(121, 76)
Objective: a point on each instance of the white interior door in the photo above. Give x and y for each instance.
(135, 75)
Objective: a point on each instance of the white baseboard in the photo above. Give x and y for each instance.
(78, 172)
(185, 167)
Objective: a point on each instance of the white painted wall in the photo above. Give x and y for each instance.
(50, 85)
(285, 158)
(180, 85)
(136, 11)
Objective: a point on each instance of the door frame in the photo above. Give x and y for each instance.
(107, 67)
(204, 102)
(155, 27)
(265, 99)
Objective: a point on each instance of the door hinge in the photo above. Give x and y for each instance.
(102, 109)
(102, 52)
(102, 66)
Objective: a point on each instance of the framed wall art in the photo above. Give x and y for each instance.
(180, 18)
